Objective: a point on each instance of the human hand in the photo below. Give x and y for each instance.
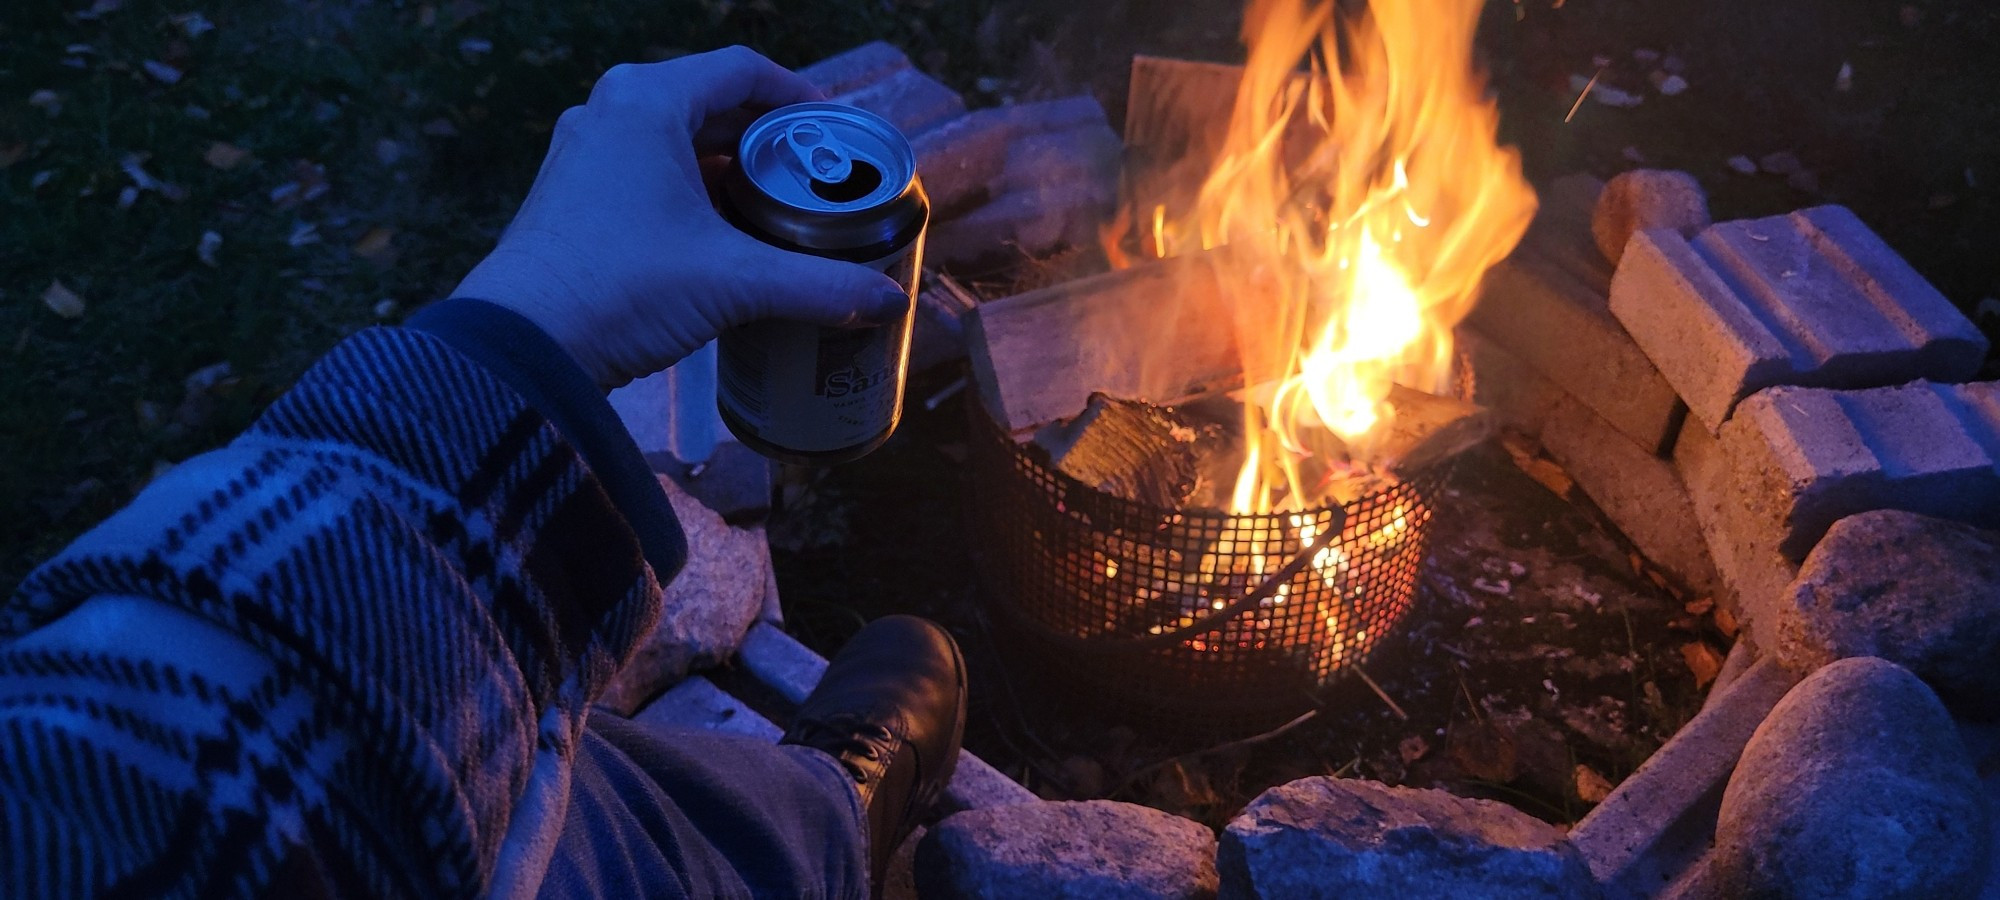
(617, 253)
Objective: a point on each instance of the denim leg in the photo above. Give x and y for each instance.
(689, 813)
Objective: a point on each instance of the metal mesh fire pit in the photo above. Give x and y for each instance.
(1189, 618)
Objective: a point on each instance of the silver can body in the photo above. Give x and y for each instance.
(832, 181)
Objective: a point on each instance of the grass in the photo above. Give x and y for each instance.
(427, 121)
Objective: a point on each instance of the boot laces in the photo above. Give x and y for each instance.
(846, 736)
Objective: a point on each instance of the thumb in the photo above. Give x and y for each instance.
(827, 291)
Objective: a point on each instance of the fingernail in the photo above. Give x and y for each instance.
(889, 306)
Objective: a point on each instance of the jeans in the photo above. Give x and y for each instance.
(690, 813)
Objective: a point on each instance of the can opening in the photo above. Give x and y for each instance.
(862, 179)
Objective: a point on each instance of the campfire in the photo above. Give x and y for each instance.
(1245, 506)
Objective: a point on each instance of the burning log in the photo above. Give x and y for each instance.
(1151, 333)
(1137, 335)
(1157, 455)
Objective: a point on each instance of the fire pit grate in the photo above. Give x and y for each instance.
(1189, 618)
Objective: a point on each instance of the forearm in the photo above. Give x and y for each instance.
(433, 569)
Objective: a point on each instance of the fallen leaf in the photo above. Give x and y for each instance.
(49, 102)
(205, 249)
(224, 155)
(385, 308)
(1590, 786)
(62, 301)
(133, 165)
(1485, 752)
(1782, 162)
(161, 72)
(377, 245)
(1725, 621)
(1549, 475)
(1703, 661)
(1701, 606)
(127, 197)
(302, 234)
(99, 9)
(1413, 748)
(193, 24)
(1742, 165)
(151, 415)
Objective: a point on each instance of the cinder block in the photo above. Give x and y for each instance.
(1812, 298)
(1638, 490)
(1031, 220)
(909, 99)
(1503, 383)
(1660, 820)
(1741, 533)
(1810, 456)
(1547, 305)
(855, 69)
(959, 159)
(1087, 152)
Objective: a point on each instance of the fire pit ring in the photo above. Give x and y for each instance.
(1189, 619)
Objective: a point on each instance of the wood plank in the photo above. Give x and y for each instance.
(1176, 116)
(1158, 332)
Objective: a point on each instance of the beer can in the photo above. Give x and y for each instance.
(837, 182)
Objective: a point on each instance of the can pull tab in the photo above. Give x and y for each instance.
(825, 158)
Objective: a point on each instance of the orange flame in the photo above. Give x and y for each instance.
(1360, 203)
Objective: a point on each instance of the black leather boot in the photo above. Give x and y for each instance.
(891, 710)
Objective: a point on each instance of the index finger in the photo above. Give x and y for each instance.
(735, 78)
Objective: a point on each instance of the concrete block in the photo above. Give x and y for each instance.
(1812, 298)
(1502, 382)
(852, 70)
(1659, 821)
(1032, 220)
(698, 703)
(1639, 491)
(1742, 534)
(959, 159)
(1810, 456)
(909, 99)
(1552, 313)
